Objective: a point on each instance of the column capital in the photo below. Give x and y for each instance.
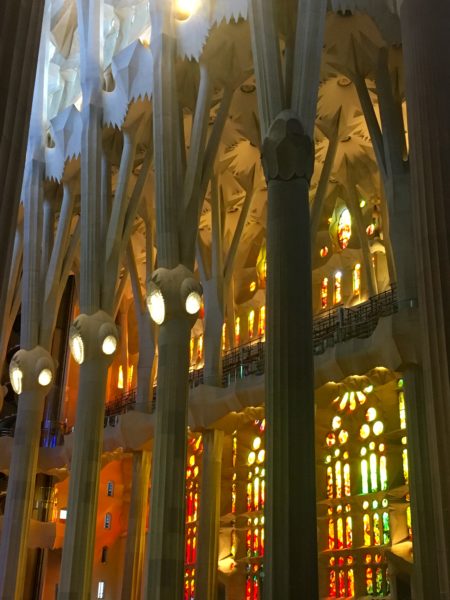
(287, 151)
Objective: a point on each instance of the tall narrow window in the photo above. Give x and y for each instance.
(224, 337)
(364, 477)
(347, 485)
(383, 473)
(344, 230)
(373, 472)
(120, 378)
(110, 488)
(386, 529)
(251, 323)
(348, 532)
(101, 589)
(337, 287)
(338, 472)
(357, 279)
(324, 293)
(262, 321)
(376, 529)
(367, 530)
(107, 521)
(237, 331)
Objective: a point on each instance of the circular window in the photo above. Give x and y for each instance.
(364, 431)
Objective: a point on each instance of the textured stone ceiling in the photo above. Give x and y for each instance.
(218, 36)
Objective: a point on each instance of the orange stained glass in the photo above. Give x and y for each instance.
(249, 496)
(262, 321)
(224, 337)
(330, 439)
(347, 483)
(251, 323)
(341, 584)
(340, 532)
(376, 529)
(324, 293)
(200, 348)
(120, 378)
(350, 583)
(348, 532)
(369, 580)
(256, 493)
(343, 436)
(332, 585)
(237, 331)
(330, 486)
(367, 530)
(338, 477)
(408, 521)
(263, 493)
(331, 538)
(357, 279)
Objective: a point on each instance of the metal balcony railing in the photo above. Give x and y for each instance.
(330, 328)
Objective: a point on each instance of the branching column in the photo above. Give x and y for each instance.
(291, 528)
(427, 68)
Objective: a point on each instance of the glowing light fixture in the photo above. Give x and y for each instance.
(193, 303)
(185, 9)
(109, 345)
(156, 306)
(77, 348)
(16, 376)
(45, 377)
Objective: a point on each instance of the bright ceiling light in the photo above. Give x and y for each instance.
(109, 345)
(77, 348)
(45, 377)
(185, 9)
(193, 303)
(156, 306)
(16, 376)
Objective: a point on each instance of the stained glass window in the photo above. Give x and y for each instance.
(251, 323)
(357, 279)
(237, 331)
(194, 454)
(324, 293)
(262, 321)
(344, 229)
(337, 287)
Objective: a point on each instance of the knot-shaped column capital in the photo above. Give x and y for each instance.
(173, 293)
(287, 151)
(31, 370)
(93, 337)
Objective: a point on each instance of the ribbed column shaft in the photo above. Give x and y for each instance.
(208, 525)
(79, 537)
(427, 68)
(135, 546)
(167, 506)
(290, 512)
(14, 538)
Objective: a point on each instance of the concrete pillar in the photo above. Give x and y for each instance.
(22, 472)
(427, 69)
(209, 516)
(290, 512)
(135, 546)
(167, 506)
(79, 539)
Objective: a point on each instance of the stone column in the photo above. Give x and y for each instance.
(89, 337)
(135, 546)
(209, 516)
(167, 506)
(291, 536)
(427, 68)
(22, 472)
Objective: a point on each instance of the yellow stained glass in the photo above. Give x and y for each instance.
(340, 532)
(367, 531)
(330, 487)
(348, 532)
(405, 465)
(357, 279)
(364, 477)
(251, 323)
(338, 477)
(402, 409)
(347, 483)
(376, 529)
(383, 473)
(337, 287)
